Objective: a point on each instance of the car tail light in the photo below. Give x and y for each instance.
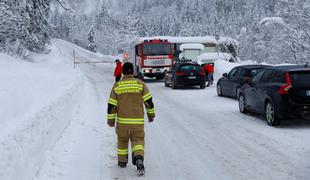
(287, 86)
(180, 73)
(202, 73)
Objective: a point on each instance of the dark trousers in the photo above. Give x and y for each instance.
(117, 78)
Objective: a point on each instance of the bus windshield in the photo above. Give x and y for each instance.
(156, 49)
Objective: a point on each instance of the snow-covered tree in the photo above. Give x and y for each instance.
(91, 40)
(13, 28)
(24, 26)
(38, 28)
(118, 22)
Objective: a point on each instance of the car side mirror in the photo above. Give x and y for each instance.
(225, 75)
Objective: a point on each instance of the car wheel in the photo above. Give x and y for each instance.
(173, 85)
(242, 105)
(159, 77)
(270, 115)
(202, 86)
(166, 84)
(219, 90)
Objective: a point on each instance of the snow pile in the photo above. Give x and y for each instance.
(68, 49)
(37, 104)
(221, 67)
(211, 57)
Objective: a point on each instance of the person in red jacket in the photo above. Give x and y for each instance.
(209, 69)
(118, 70)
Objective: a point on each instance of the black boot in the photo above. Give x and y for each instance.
(138, 161)
(122, 164)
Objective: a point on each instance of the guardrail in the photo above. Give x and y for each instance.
(77, 61)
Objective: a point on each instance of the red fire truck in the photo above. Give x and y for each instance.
(152, 57)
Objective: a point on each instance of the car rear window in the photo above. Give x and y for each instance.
(277, 77)
(301, 78)
(190, 68)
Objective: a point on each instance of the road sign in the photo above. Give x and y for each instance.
(126, 56)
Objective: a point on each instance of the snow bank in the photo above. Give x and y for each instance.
(211, 57)
(67, 49)
(37, 103)
(221, 67)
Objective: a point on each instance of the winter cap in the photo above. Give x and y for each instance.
(127, 68)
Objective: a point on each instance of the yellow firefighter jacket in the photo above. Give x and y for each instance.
(126, 102)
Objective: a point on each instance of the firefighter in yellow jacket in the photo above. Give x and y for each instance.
(126, 107)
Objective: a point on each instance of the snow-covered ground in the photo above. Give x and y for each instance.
(53, 127)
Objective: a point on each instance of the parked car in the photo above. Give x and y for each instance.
(185, 74)
(230, 84)
(278, 92)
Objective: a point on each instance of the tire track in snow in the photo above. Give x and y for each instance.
(256, 148)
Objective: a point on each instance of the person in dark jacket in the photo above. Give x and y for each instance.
(118, 70)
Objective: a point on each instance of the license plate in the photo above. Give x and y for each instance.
(308, 93)
(191, 77)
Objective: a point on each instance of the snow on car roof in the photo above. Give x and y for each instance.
(192, 46)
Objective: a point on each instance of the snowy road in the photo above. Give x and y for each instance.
(196, 135)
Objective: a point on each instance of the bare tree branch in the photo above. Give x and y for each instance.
(67, 9)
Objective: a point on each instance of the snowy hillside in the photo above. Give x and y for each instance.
(53, 127)
(38, 102)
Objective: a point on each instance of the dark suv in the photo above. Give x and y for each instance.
(278, 92)
(185, 74)
(230, 84)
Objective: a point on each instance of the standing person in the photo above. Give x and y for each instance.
(118, 70)
(210, 70)
(204, 67)
(212, 76)
(126, 106)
